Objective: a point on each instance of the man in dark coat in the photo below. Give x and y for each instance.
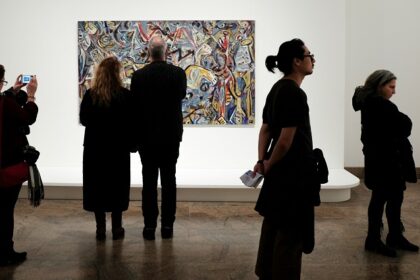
(158, 89)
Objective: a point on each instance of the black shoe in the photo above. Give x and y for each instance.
(377, 246)
(100, 234)
(167, 232)
(12, 258)
(118, 233)
(149, 233)
(400, 242)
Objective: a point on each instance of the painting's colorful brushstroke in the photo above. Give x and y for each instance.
(217, 56)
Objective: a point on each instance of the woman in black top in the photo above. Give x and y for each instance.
(388, 160)
(105, 113)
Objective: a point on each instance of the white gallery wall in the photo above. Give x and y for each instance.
(40, 37)
(382, 34)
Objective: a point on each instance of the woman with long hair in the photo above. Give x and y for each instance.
(105, 113)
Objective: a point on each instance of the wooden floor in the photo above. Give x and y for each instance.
(211, 241)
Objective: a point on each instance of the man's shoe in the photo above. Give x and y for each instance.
(377, 246)
(149, 233)
(12, 258)
(118, 233)
(400, 242)
(167, 232)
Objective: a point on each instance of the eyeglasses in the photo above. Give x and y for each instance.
(311, 55)
(4, 82)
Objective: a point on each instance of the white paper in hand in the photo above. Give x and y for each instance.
(250, 180)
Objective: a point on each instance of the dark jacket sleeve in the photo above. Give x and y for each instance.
(86, 113)
(137, 109)
(20, 115)
(15, 118)
(89, 113)
(404, 125)
(381, 125)
(182, 84)
(408, 164)
(384, 130)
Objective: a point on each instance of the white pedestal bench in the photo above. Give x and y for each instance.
(193, 185)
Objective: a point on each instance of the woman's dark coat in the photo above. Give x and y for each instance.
(16, 118)
(388, 154)
(106, 155)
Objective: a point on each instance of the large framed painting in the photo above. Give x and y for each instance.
(218, 57)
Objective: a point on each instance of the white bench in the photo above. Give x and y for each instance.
(338, 188)
(193, 185)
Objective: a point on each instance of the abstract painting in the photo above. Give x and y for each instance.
(218, 57)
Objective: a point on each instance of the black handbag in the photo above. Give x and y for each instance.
(322, 167)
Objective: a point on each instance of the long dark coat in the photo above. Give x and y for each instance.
(385, 132)
(106, 155)
(15, 118)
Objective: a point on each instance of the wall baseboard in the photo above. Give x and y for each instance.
(358, 171)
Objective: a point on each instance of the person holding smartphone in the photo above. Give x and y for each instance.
(18, 112)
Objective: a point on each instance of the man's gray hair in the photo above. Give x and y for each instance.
(157, 48)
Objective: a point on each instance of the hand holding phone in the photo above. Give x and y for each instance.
(21, 81)
(32, 86)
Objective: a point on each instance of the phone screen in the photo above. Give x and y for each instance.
(26, 79)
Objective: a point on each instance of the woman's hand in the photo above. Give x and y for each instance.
(18, 84)
(32, 87)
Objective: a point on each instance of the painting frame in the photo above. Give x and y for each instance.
(218, 57)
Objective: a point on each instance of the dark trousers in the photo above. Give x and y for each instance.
(116, 219)
(393, 201)
(8, 198)
(279, 252)
(159, 157)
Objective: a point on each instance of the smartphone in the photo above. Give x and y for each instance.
(25, 79)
